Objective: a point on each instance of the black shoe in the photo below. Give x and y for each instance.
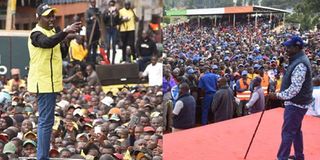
(291, 157)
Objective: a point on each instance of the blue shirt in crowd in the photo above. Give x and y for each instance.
(208, 82)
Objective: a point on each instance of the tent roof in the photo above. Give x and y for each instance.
(225, 10)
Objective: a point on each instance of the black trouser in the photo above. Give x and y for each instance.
(92, 53)
(242, 111)
(93, 45)
(144, 62)
(128, 39)
(111, 37)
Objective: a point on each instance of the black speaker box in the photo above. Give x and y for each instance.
(118, 74)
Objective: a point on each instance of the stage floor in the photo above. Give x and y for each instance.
(229, 140)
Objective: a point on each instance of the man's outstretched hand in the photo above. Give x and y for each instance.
(75, 27)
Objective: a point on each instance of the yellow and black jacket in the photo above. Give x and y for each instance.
(45, 68)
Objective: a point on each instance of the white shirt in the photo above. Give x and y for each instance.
(314, 110)
(177, 108)
(154, 73)
(253, 99)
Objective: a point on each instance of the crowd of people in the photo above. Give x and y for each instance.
(230, 71)
(89, 123)
(111, 27)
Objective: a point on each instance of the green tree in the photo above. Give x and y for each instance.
(283, 4)
(307, 13)
(222, 3)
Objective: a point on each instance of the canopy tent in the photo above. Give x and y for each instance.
(225, 10)
(228, 11)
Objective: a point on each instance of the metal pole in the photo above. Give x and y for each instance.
(256, 20)
(234, 20)
(212, 22)
(254, 134)
(215, 20)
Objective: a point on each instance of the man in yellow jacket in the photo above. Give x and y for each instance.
(46, 49)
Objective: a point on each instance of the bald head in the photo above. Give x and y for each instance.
(184, 88)
(106, 157)
(222, 82)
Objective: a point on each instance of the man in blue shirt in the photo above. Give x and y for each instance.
(208, 87)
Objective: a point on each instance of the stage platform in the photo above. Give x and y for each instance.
(229, 140)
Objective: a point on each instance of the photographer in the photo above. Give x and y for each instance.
(92, 31)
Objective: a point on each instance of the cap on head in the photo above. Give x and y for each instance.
(294, 41)
(214, 67)
(257, 80)
(29, 142)
(44, 10)
(9, 148)
(244, 73)
(127, 2)
(190, 71)
(257, 66)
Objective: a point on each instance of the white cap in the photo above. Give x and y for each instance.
(77, 111)
(107, 100)
(80, 135)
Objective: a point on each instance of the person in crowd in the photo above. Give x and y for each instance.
(243, 92)
(92, 77)
(208, 86)
(191, 78)
(315, 109)
(92, 16)
(16, 80)
(29, 148)
(146, 48)
(154, 72)
(77, 51)
(111, 20)
(127, 30)
(257, 99)
(184, 110)
(223, 107)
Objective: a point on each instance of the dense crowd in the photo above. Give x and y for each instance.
(233, 54)
(89, 123)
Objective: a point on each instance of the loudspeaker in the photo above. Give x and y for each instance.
(118, 74)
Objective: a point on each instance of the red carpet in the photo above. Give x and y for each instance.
(229, 140)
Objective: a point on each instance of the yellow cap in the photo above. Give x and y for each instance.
(47, 12)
